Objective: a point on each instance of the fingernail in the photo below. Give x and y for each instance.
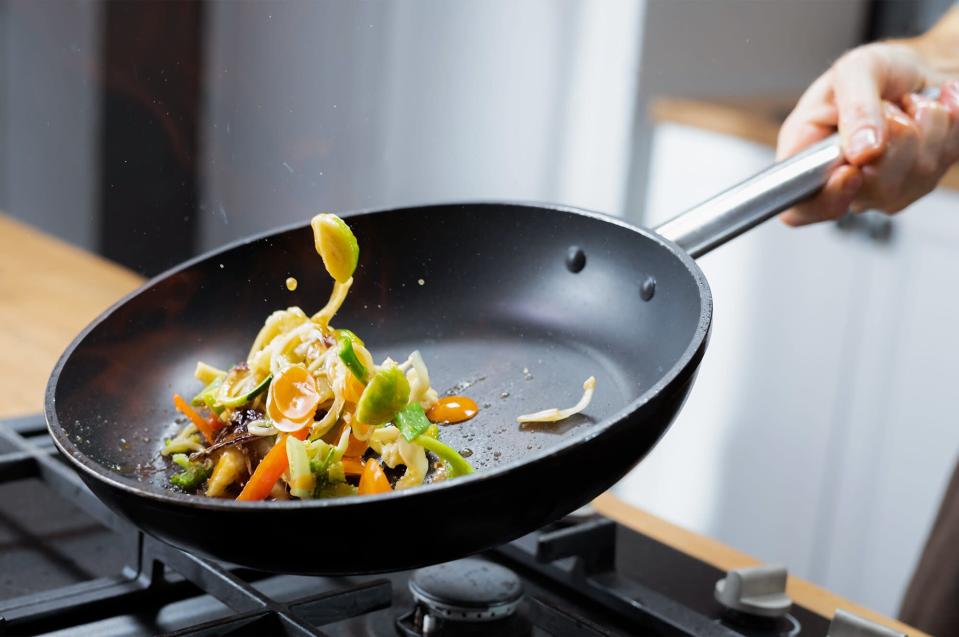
(852, 185)
(862, 141)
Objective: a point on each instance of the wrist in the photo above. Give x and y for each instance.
(938, 51)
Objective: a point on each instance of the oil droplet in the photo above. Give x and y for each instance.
(505, 394)
(466, 453)
(291, 284)
(421, 281)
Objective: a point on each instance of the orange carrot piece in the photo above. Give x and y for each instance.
(201, 423)
(356, 447)
(373, 479)
(271, 467)
(352, 466)
(266, 474)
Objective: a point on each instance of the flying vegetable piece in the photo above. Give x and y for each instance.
(387, 392)
(193, 474)
(412, 421)
(350, 359)
(336, 243)
(457, 463)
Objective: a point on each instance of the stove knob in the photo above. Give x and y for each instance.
(845, 624)
(760, 591)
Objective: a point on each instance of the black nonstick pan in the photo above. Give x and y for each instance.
(512, 304)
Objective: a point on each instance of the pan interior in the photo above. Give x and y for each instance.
(482, 290)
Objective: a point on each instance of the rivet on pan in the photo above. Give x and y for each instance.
(647, 289)
(575, 259)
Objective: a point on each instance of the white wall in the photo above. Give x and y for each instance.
(821, 431)
(340, 106)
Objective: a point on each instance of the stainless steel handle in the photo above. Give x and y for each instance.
(749, 203)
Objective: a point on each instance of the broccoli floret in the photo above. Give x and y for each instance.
(193, 474)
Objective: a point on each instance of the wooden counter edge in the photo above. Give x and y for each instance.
(756, 121)
(726, 558)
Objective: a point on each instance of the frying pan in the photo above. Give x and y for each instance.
(512, 304)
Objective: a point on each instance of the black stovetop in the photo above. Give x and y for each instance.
(68, 566)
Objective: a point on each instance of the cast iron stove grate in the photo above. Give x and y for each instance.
(76, 576)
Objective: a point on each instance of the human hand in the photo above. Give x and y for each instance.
(897, 144)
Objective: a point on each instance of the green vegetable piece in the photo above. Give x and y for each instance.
(457, 463)
(205, 397)
(336, 243)
(412, 421)
(386, 393)
(350, 359)
(345, 332)
(239, 401)
(193, 474)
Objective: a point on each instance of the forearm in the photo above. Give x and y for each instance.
(939, 47)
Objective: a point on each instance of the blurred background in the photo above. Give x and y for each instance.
(822, 431)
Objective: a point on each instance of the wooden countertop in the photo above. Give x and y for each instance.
(51, 290)
(756, 120)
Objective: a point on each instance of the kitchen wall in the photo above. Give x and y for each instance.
(336, 107)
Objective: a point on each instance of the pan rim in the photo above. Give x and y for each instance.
(103, 474)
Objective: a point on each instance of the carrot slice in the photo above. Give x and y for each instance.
(373, 479)
(266, 474)
(271, 467)
(205, 426)
(356, 447)
(352, 466)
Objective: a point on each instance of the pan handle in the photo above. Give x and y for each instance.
(749, 203)
(764, 195)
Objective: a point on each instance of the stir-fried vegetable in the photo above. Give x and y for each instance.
(207, 426)
(349, 358)
(293, 399)
(385, 394)
(457, 463)
(337, 245)
(309, 413)
(246, 397)
(373, 480)
(412, 421)
(227, 471)
(193, 474)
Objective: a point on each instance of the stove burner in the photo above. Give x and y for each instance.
(467, 590)
(463, 592)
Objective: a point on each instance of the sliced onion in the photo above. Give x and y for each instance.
(552, 415)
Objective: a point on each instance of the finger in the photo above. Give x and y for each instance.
(813, 118)
(884, 180)
(858, 98)
(932, 120)
(831, 203)
(949, 98)
(864, 77)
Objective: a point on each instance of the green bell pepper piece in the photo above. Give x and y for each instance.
(350, 359)
(412, 421)
(457, 463)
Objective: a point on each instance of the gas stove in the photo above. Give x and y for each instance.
(69, 566)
